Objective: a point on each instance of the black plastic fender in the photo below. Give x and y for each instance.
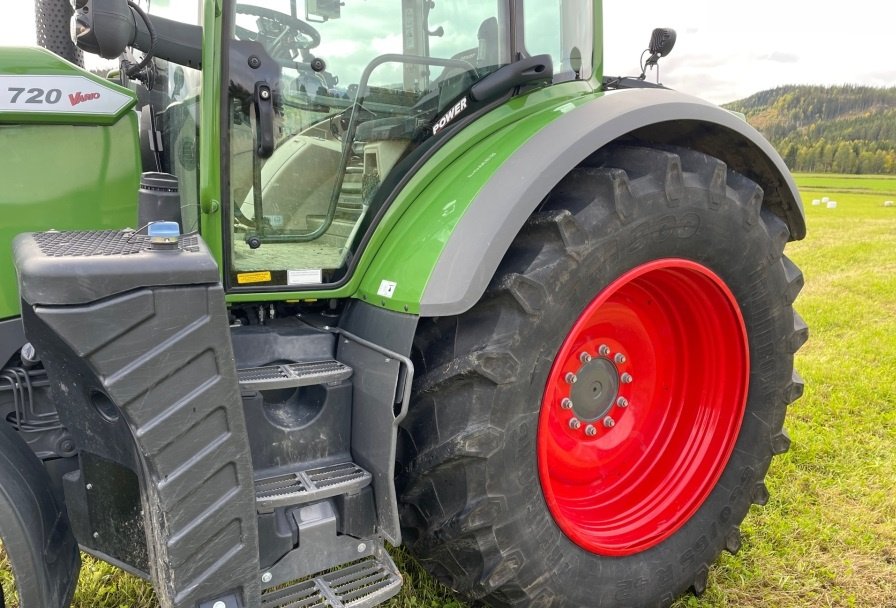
(34, 528)
(657, 116)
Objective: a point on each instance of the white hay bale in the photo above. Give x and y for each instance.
(889, 204)
(825, 200)
(832, 204)
(816, 202)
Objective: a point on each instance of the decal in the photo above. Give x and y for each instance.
(450, 115)
(245, 278)
(312, 276)
(387, 289)
(59, 95)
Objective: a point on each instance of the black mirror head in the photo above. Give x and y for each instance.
(103, 27)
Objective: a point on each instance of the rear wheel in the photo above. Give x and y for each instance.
(595, 429)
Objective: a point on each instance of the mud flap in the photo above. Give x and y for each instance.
(34, 528)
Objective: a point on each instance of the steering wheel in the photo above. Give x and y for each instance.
(282, 34)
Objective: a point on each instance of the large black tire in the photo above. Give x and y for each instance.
(42, 559)
(52, 21)
(474, 512)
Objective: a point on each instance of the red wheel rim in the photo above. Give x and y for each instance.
(634, 459)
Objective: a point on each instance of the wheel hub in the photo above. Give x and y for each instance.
(595, 390)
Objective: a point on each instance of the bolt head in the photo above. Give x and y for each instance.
(619, 358)
(609, 422)
(590, 430)
(96, 534)
(604, 350)
(89, 486)
(265, 94)
(574, 424)
(219, 605)
(267, 577)
(626, 378)
(566, 403)
(622, 402)
(584, 357)
(362, 547)
(571, 378)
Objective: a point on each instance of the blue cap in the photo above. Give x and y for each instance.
(165, 230)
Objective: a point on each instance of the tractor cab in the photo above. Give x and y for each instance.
(331, 106)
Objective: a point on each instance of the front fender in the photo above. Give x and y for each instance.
(510, 185)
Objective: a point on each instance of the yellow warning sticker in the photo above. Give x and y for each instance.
(253, 277)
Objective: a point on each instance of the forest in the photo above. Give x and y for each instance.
(840, 129)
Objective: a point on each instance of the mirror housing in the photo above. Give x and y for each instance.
(103, 27)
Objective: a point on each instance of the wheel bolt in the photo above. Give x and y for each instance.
(619, 358)
(626, 378)
(609, 422)
(566, 403)
(584, 357)
(571, 378)
(574, 424)
(622, 402)
(590, 430)
(604, 350)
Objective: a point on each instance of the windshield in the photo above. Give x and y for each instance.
(327, 98)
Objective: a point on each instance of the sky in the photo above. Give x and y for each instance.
(724, 52)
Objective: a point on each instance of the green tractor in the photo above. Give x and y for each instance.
(302, 278)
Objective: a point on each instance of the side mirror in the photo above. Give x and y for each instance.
(103, 27)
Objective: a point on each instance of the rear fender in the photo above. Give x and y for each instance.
(34, 527)
(492, 220)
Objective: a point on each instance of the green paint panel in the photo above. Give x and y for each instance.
(38, 87)
(412, 244)
(66, 178)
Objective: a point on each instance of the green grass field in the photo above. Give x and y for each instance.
(828, 535)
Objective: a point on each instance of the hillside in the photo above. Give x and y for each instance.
(843, 129)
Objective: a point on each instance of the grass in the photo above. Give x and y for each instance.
(828, 535)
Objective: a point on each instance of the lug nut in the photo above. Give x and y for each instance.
(584, 357)
(571, 378)
(574, 424)
(609, 422)
(619, 358)
(622, 402)
(566, 403)
(604, 350)
(590, 430)
(626, 378)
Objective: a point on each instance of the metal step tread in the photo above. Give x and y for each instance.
(362, 584)
(301, 487)
(293, 375)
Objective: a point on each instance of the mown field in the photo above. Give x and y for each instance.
(828, 535)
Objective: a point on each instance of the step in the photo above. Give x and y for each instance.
(292, 375)
(302, 487)
(362, 584)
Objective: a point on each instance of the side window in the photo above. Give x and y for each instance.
(563, 29)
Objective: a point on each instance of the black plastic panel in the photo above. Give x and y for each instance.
(145, 378)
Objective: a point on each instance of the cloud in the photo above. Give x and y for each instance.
(779, 57)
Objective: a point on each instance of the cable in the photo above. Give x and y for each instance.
(153, 38)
